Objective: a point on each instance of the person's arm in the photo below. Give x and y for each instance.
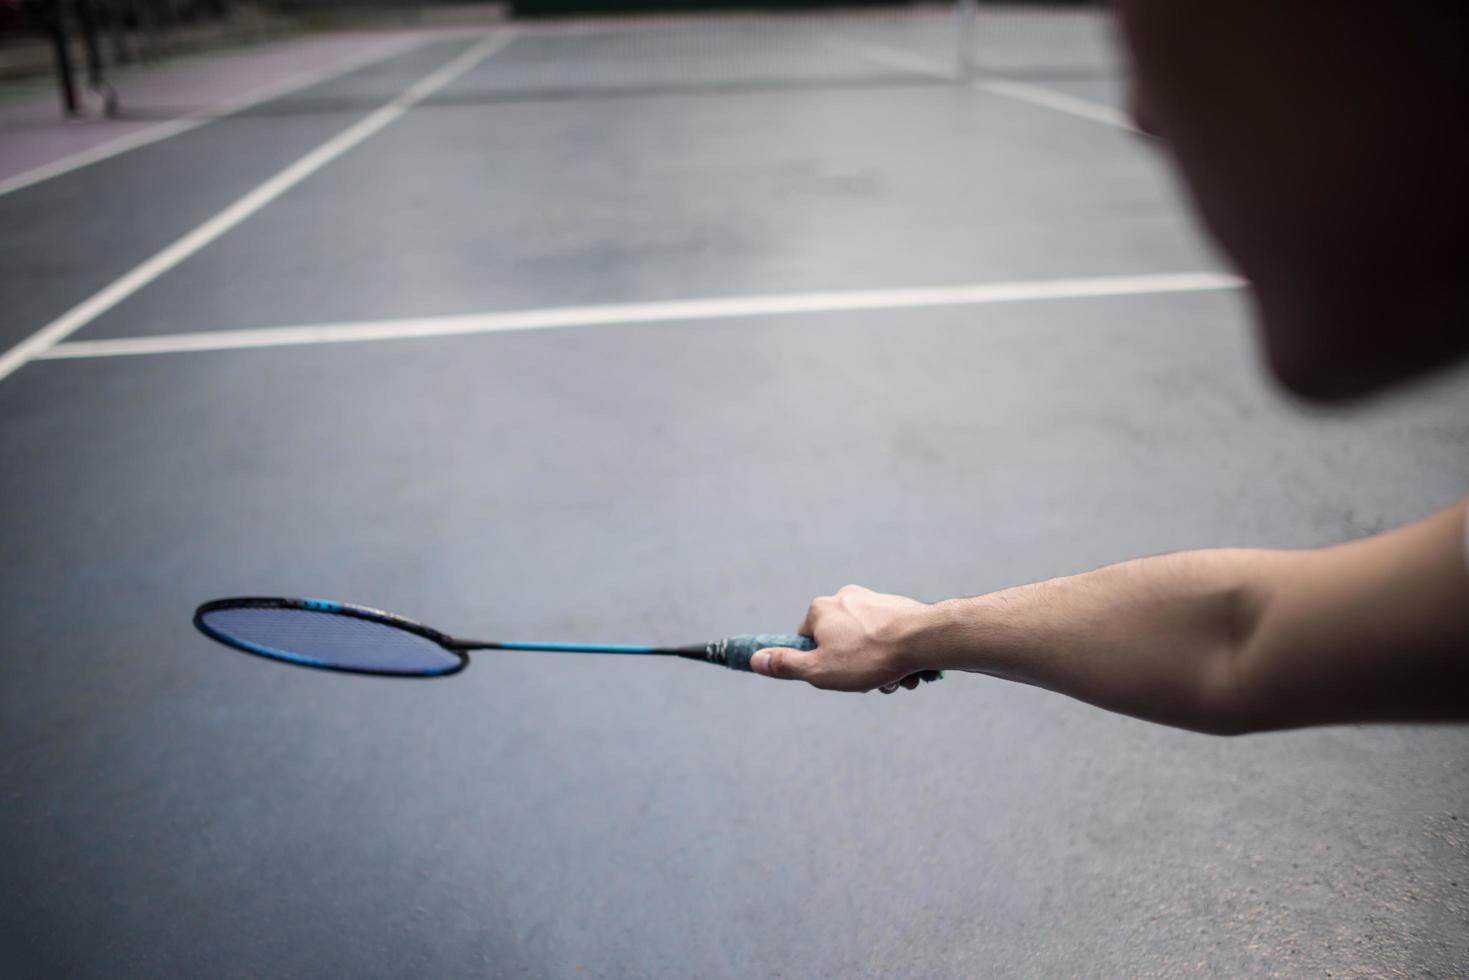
(1223, 641)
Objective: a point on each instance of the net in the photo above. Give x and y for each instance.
(570, 49)
(795, 48)
(326, 639)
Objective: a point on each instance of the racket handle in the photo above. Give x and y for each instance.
(735, 652)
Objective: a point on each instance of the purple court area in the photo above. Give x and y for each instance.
(34, 132)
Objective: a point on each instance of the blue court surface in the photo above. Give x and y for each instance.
(649, 331)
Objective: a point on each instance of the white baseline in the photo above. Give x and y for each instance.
(660, 312)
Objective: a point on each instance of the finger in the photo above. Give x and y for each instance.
(782, 662)
(911, 681)
(808, 624)
(819, 606)
(888, 688)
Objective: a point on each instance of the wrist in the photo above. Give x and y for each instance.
(933, 637)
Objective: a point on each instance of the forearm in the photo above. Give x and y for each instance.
(1158, 638)
(1227, 641)
(1237, 640)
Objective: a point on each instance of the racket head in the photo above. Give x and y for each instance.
(326, 635)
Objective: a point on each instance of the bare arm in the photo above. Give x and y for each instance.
(1226, 641)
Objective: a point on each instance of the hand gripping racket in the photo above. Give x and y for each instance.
(339, 636)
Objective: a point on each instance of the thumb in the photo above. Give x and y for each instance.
(782, 662)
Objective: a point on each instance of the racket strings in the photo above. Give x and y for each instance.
(330, 639)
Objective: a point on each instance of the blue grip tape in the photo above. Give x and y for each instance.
(738, 650)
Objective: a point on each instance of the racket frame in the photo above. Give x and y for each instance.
(453, 646)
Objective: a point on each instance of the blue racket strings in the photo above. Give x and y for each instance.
(327, 639)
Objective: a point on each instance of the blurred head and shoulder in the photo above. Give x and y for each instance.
(1326, 147)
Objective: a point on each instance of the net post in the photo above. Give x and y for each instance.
(966, 16)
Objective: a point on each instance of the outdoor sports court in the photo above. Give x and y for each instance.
(648, 331)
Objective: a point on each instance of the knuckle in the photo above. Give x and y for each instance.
(784, 665)
(777, 663)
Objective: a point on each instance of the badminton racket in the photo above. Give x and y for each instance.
(340, 636)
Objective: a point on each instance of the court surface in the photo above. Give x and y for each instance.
(648, 334)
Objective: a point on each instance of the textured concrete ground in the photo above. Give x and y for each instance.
(172, 810)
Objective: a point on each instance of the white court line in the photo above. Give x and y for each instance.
(194, 120)
(693, 309)
(1069, 104)
(1020, 91)
(120, 289)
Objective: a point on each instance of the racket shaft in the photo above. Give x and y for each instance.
(573, 648)
(733, 652)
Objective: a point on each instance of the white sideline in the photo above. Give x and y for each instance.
(194, 120)
(693, 309)
(120, 289)
(1020, 91)
(1069, 104)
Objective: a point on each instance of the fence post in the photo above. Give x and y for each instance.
(56, 27)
